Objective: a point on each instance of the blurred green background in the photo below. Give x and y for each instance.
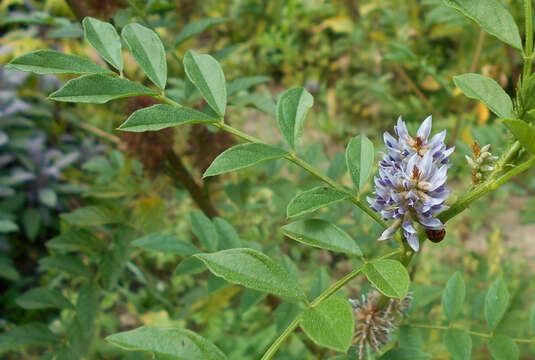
(74, 191)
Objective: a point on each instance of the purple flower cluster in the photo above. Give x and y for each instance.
(412, 182)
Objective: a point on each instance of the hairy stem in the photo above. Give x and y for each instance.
(277, 343)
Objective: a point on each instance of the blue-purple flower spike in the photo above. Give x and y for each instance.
(412, 181)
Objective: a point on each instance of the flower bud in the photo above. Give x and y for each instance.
(482, 163)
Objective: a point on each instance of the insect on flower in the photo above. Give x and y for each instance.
(412, 181)
(435, 236)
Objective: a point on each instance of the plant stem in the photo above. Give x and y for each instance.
(490, 185)
(306, 166)
(525, 340)
(182, 176)
(475, 333)
(301, 163)
(277, 343)
(168, 101)
(336, 286)
(477, 53)
(528, 48)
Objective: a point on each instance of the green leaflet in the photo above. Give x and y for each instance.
(206, 74)
(496, 303)
(245, 83)
(503, 348)
(66, 263)
(99, 89)
(166, 243)
(103, 37)
(459, 343)
(523, 132)
(7, 226)
(44, 62)
(453, 296)
(359, 159)
(228, 237)
(31, 334)
(42, 298)
(486, 90)
(89, 216)
(321, 234)
(254, 270)
(148, 51)
(492, 16)
(171, 343)
(389, 277)
(292, 108)
(204, 230)
(242, 156)
(331, 323)
(162, 116)
(314, 199)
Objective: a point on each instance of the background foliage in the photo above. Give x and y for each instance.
(97, 225)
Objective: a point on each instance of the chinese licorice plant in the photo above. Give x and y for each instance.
(409, 201)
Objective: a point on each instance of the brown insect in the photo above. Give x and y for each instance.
(435, 236)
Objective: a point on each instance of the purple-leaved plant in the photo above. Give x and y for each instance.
(412, 181)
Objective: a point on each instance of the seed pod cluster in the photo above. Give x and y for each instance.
(372, 325)
(482, 163)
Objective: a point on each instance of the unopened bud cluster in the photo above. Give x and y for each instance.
(482, 163)
(373, 326)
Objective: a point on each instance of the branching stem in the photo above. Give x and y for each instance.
(323, 296)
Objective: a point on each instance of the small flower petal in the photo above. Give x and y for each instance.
(412, 239)
(425, 129)
(389, 232)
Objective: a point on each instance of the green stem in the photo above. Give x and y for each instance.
(528, 48)
(483, 189)
(277, 343)
(475, 333)
(525, 340)
(306, 166)
(168, 101)
(323, 296)
(301, 163)
(336, 286)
